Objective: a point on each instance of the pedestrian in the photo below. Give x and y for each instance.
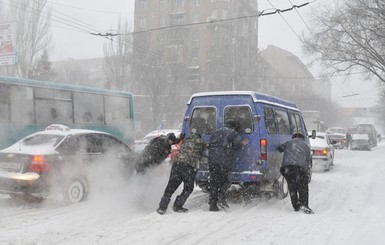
(155, 152)
(348, 139)
(223, 144)
(295, 168)
(183, 169)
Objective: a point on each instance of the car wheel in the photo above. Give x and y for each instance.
(283, 188)
(75, 191)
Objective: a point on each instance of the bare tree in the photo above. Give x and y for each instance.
(33, 31)
(117, 56)
(349, 36)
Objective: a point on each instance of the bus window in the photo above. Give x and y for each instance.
(51, 108)
(203, 120)
(89, 108)
(4, 102)
(117, 110)
(21, 104)
(242, 114)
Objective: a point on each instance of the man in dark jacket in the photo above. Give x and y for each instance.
(155, 152)
(295, 168)
(183, 170)
(223, 144)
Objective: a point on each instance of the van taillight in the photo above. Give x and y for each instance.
(263, 143)
(38, 164)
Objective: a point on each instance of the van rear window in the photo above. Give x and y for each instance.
(242, 114)
(203, 120)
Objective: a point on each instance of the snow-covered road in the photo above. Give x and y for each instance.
(348, 202)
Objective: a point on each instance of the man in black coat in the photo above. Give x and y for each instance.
(295, 168)
(155, 152)
(223, 144)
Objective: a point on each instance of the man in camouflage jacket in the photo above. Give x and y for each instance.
(183, 170)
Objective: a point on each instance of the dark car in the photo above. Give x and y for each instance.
(62, 160)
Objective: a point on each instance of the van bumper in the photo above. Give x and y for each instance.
(202, 176)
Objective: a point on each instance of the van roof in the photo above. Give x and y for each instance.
(257, 97)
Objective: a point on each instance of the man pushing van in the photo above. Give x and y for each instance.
(295, 167)
(223, 144)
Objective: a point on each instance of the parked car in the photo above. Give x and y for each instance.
(61, 160)
(322, 151)
(140, 144)
(360, 142)
(370, 130)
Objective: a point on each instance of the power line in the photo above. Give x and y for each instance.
(291, 28)
(54, 17)
(90, 10)
(263, 13)
(296, 10)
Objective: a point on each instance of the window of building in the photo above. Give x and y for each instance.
(143, 5)
(162, 4)
(214, 14)
(162, 21)
(196, 18)
(195, 53)
(178, 3)
(196, 3)
(225, 14)
(195, 36)
(178, 19)
(142, 23)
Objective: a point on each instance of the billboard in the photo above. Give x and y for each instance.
(8, 43)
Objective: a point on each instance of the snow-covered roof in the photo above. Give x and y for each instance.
(256, 96)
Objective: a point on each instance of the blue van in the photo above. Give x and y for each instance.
(265, 120)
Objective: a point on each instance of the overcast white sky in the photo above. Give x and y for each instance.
(280, 30)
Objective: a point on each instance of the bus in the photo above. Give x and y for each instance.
(28, 106)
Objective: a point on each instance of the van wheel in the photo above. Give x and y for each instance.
(282, 188)
(75, 191)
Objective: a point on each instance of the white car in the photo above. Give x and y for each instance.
(61, 160)
(322, 151)
(360, 142)
(140, 144)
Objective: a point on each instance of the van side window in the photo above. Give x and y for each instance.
(203, 119)
(296, 125)
(269, 121)
(282, 120)
(299, 124)
(242, 114)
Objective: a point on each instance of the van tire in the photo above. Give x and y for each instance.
(282, 188)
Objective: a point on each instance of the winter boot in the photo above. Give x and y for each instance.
(160, 211)
(178, 204)
(180, 209)
(306, 210)
(214, 208)
(222, 202)
(164, 201)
